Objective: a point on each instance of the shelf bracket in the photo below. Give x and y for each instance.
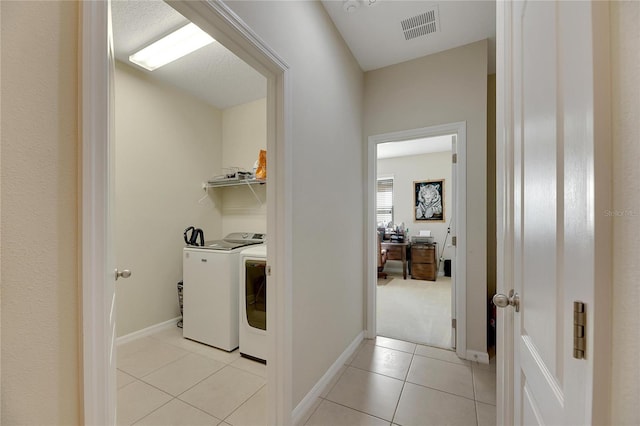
(254, 194)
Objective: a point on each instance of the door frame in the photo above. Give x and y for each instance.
(225, 26)
(504, 215)
(459, 225)
(99, 386)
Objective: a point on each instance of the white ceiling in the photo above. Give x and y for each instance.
(414, 147)
(374, 33)
(212, 74)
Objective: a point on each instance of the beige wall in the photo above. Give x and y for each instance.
(625, 39)
(39, 223)
(328, 200)
(405, 171)
(167, 144)
(244, 134)
(438, 89)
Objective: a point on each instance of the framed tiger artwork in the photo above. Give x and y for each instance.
(429, 201)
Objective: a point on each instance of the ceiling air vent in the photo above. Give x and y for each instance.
(420, 25)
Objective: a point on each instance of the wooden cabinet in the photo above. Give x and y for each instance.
(424, 264)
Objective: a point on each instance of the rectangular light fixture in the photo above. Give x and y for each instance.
(171, 47)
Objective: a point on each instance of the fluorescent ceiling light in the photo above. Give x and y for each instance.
(174, 46)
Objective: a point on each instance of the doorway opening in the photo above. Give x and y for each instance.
(194, 128)
(416, 219)
(98, 264)
(414, 214)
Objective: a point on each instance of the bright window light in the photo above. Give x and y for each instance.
(174, 46)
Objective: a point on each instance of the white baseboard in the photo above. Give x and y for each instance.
(302, 410)
(147, 331)
(477, 356)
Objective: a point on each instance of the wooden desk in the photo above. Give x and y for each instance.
(397, 251)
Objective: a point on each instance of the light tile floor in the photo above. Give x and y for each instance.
(164, 379)
(391, 382)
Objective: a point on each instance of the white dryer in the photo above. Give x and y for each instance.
(210, 290)
(253, 303)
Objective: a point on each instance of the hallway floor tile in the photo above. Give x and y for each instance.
(164, 379)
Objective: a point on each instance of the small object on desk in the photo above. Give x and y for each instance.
(421, 239)
(397, 238)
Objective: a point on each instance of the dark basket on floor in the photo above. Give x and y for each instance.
(180, 302)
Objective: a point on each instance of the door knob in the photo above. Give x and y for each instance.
(122, 274)
(502, 300)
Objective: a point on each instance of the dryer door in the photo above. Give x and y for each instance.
(256, 293)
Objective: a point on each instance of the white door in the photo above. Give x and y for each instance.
(98, 263)
(551, 241)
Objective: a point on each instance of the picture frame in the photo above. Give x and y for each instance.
(428, 201)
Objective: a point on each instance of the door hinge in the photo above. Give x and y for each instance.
(453, 323)
(454, 241)
(579, 330)
(268, 270)
(454, 158)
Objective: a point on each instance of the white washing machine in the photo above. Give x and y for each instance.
(253, 303)
(210, 290)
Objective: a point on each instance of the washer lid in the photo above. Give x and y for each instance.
(224, 245)
(245, 238)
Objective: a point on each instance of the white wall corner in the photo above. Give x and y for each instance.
(304, 409)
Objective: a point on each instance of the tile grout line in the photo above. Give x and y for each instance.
(379, 374)
(141, 379)
(314, 411)
(176, 397)
(404, 383)
(444, 360)
(153, 371)
(321, 399)
(442, 391)
(325, 398)
(475, 400)
(346, 366)
(354, 409)
(199, 409)
(190, 387)
(213, 374)
(152, 411)
(243, 403)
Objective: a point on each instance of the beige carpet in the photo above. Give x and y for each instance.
(414, 310)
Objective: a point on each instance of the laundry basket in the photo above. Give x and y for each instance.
(180, 302)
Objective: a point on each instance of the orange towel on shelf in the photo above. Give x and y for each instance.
(261, 171)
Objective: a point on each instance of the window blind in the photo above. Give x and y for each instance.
(384, 201)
